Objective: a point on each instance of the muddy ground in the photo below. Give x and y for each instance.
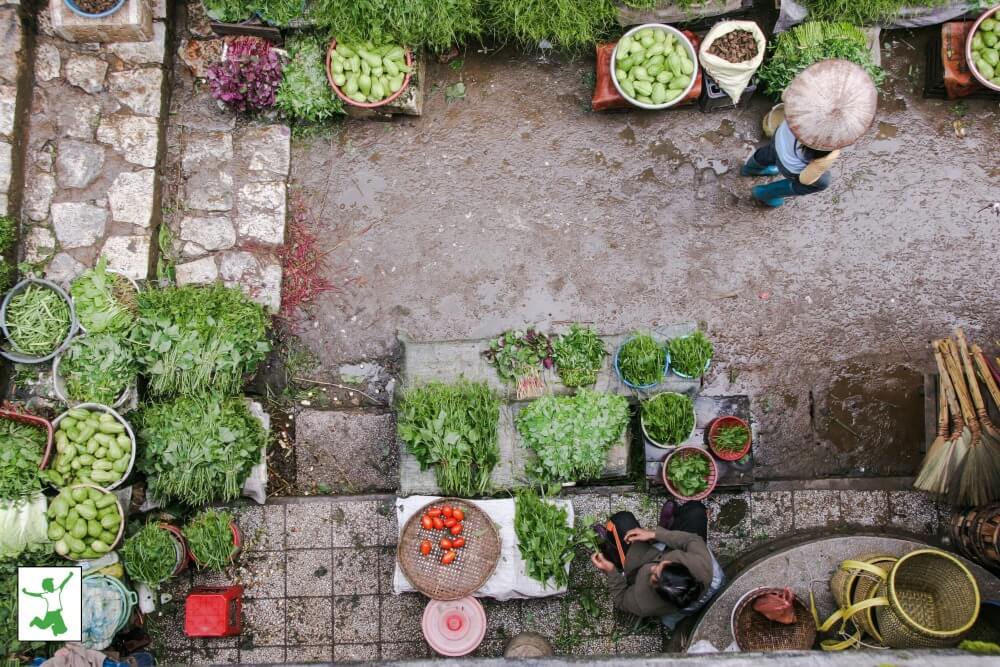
(517, 204)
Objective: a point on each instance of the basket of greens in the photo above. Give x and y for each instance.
(578, 356)
(690, 356)
(95, 368)
(155, 553)
(94, 445)
(729, 438)
(641, 361)
(213, 539)
(690, 473)
(25, 449)
(667, 419)
(106, 300)
(38, 320)
(85, 522)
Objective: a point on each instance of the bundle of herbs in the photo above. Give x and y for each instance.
(688, 472)
(578, 356)
(150, 555)
(563, 24)
(198, 338)
(22, 447)
(199, 449)
(97, 368)
(862, 12)
(38, 320)
(809, 43)
(690, 355)
(571, 435)
(305, 93)
(731, 439)
(519, 357)
(105, 302)
(545, 537)
(229, 11)
(642, 360)
(452, 428)
(210, 538)
(668, 418)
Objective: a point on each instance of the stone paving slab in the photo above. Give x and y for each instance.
(14, 98)
(350, 452)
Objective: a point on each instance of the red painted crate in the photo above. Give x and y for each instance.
(212, 611)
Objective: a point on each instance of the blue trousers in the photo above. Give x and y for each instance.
(767, 156)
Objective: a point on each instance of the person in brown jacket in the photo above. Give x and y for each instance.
(667, 572)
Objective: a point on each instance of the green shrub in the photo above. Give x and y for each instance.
(8, 233)
(305, 93)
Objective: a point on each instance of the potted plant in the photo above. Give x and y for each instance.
(578, 356)
(94, 9)
(641, 361)
(213, 539)
(667, 419)
(729, 438)
(690, 473)
(155, 553)
(38, 320)
(690, 356)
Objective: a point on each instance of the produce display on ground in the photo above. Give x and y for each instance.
(737, 46)
(304, 93)
(731, 439)
(544, 538)
(198, 449)
(210, 539)
(668, 418)
(642, 360)
(452, 428)
(23, 526)
(22, 448)
(986, 49)
(653, 66)
(578, 355)
(92, 447)
(84, 522)
(249, 76)
(862, 12)
(97, 368)
(105, 302)
(690, 355)
(38, 320)
(519, 357)
(449, 521)
(571, 435)
(688, 472)
(368, 73)
(150, 555)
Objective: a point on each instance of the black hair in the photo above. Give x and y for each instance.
(678, 586)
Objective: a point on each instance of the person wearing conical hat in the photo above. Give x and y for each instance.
(827, 107)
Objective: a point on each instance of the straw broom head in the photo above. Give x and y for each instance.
(933, 475)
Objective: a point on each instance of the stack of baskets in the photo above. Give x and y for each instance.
(925, 599)
(975, 533)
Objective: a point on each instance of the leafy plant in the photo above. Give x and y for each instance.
(249, 77)
(690, 355)
(862, 12)
(229, 11)
(196, 338)
(571, 435)
(150, 555)
(97, 368)
(210, 539)
(689, 472)
(578, 355)
(642, 360)
(104, 301)
(516, 354)
(806, 44)
(452, 427)
(305, 93)
(22, 447)
(566, 24)
(8, 236)
(278, 12)
(668, 418)
(731, 438)
(199, 449)
(544, 537)
(38, 320)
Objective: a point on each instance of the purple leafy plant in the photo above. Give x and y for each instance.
(248, 78)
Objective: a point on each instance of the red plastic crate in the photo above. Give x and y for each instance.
(213, 611)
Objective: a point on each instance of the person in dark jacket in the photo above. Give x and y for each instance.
(666, 572)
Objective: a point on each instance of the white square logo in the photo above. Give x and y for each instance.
(49, 604)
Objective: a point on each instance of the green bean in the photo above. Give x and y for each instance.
(38, 320)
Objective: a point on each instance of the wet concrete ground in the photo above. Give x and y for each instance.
(517, 205)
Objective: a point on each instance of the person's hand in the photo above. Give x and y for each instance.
(639, 535)
(602, 563)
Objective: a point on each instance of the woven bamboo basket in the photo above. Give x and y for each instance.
(755, 632)
(869, 587)
(986, 534)
(844, 580)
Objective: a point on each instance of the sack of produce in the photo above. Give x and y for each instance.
(731, 53)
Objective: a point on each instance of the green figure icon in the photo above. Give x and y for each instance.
(53, 605)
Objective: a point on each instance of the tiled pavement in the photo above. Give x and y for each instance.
(318, 571)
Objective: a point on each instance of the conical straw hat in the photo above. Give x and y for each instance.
(829, 105)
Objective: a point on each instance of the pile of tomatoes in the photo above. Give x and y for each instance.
(448, 519)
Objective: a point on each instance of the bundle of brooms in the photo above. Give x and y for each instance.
(963, 464)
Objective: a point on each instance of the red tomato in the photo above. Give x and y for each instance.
(434, 511)
(449, 558)
(458, 543)
(447, 511)
(426, 522)
(458, 513)
(446, 544)
(437, 523)
(448, 523)
(456, 529)
(425, 547)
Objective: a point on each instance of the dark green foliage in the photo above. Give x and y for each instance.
(21, 449)
(690, 355)
(39, 556)
(578, 356)
(229, 11)
(210, 539)
(150, 555)
(566, 24)
(668, 418)
(8, 233)
(689, 472)
(544, 537)
(278, 12)
(862, 12)
(305, 92)
(642, 360)
(97, 368)
(731, 438)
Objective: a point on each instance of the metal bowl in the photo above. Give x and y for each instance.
(682, 38)
(989, 13)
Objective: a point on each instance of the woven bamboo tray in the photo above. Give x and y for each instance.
(476, 561)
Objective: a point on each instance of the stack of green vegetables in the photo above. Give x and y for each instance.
(97, 368)
(199, 449)
(452, 428)
(275, 12)
(578, 355)
(92, 447)
(690, 355)
(150, 555)
(689, 472)
(862, 12)
(105, 302)
(571, 435)
(210, 538)
(305, 93)
(84, 522)
(652, 66)
(368, 73)
(22, 447)
(809, 43)
(668, 418)
(545, 537)
(38, 320)
(642, 360)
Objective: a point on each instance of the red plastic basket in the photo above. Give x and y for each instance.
(366, 105)
(214, 611)
(15, 416)
(713, 472)
(728, 421)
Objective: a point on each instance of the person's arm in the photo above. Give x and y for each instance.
(622, 595)
(66, 581)
(27, 592)
(676, 539)
(815, 169)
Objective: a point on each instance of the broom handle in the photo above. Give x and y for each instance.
(970, 374)
(949, 392)
(942, 405)
(958, 382)
(984, 369)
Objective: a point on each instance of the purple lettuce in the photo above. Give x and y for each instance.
(248, 78)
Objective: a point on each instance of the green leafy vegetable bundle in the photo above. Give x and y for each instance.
(150, 555)
(689, 472)
(22, 447)
(199, 449)
(38, 320)
(97, 368)
(566, 24)
(571, 435)
(210, 539)
(809, 43)
(731, 438)
(305, 93)
(105, 302)
(689, 355)
(642, 360)
(544, 537)
(196, 338)
(578, 356)
(862, 12)
(8, 236)
(517, 354)
(668, 418)
(452, 427)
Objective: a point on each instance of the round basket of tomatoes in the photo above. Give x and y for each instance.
(448, 549)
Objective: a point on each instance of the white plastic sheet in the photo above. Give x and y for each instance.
(509, 580)
(731, 77)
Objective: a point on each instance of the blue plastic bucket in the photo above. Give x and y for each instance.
(618, 371)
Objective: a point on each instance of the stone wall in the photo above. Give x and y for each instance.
(14, 94)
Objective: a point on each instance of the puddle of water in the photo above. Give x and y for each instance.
(666, 148)
(628, 134)
(715, 137)
(732, 513)
(887, 131)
